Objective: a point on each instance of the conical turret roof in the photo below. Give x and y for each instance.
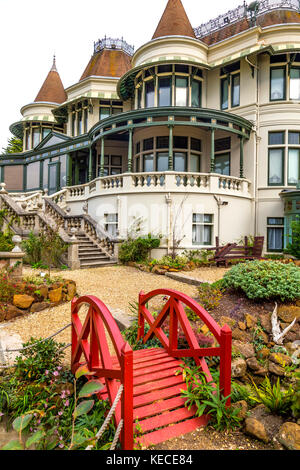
(174, 21)
(108, 63)
(52, 90)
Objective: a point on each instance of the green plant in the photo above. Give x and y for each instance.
(209, 297)
(261, 280)
(208, 399)
(241, 392)
(137, 250)
(274, 397)
(293, 248)
(7, 287)
(32, 246)
(38, 359)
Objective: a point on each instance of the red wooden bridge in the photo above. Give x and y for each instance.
(151, 405)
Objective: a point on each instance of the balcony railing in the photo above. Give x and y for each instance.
(244, 11)
(172, 181)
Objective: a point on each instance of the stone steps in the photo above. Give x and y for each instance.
(91, 255)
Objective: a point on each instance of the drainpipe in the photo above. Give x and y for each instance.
(220, 203)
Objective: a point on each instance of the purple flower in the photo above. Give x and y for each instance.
(61, 446)
(55, 373)
(46, 372)
(60, 413)
(66, 403)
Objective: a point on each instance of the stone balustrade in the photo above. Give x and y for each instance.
(210, 183)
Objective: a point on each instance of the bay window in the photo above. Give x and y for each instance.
(164, 91)
(181, 91)
(278, 84)
(149, 94)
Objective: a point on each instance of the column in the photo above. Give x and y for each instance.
(90, 173)
(171, 167)
(69, 169)
(76, 170)
(212, 151)
(102, 158)
(241, 157)
(129, 168)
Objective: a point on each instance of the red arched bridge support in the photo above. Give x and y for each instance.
(151, 405)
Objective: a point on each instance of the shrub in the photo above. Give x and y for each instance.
(7, 287)
(261, 280)
(138, 249)
(209, 297)
(178, 262)
(45, 249)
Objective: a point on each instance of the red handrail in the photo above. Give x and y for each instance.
(175, 310)
(89, 340)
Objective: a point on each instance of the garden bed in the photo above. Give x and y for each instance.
(32, 294)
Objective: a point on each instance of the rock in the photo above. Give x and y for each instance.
(145, 269)
(55, 295)
(287, 313)
(227, 321)
(173, 270)
(276, 369)
(246, 349)
(250, 321)
(265, 321)
(264, 353)
(238, 367)
(43, 291)
(240, 335)
(242, 406)
(39, 306)
(255, 428)
(158, 270)
(23, 301)
(269, 423)
(242, 325)
(71, 292)
(254, 365)
(281, 359)
(289, 436)
(11, 311)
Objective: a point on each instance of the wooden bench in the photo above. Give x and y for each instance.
(233, 251)
(152, 390)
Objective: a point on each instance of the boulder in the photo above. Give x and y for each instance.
(242, 336)
(55, 295)
(227, 321)
(11, 311)
(39, 306)
(256, 429)
(254, 365)
(23, 301)
(238, 367)
(276, 369)
(246, 349)
(262, 423)
(71, 292)
(265, 321)
(250, 320)
(43, 291)
(287, 313)
(289, 436)
(264, 353)
(281, 359)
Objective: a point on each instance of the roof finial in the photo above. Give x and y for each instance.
(53, 68)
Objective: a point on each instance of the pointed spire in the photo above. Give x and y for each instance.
(53, 68)
(174, 21)
(52, 90)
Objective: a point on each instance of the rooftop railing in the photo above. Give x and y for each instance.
(111, 43)
(250, 11)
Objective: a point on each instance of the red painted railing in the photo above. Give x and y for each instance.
(90, 346)
(174, 308)
(112, 361)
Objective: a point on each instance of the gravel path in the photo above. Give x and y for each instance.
(116, 286)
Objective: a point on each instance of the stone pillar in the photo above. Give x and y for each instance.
(73, 255)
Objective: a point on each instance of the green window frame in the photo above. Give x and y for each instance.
(275, 234)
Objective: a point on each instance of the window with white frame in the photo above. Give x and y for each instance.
(111, 224)
(202, 230)
(275, 234)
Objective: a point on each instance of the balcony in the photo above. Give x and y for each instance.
(157, 182)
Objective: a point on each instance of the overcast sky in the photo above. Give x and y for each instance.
(33, 30)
